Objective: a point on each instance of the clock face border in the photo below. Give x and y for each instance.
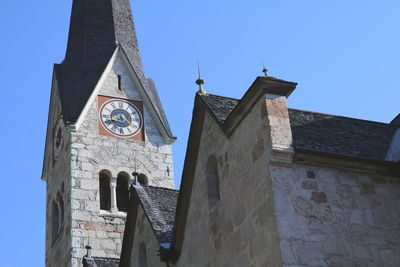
(57, 125)
(137, 105)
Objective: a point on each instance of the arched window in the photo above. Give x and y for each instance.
(105, 190)
(122, 191)
(142, 255)
(54, 221)
(60, 201)
(212, 181)
(142, 179)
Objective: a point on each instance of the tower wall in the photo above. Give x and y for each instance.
(92, 153)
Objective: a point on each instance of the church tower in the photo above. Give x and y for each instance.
(106, 129)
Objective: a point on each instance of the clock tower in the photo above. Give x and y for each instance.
(105, 122)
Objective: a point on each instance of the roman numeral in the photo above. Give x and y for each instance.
(108, 122)
(106, 116)
(114, 128)
(121, 131)
(120, 105)
(113, 105)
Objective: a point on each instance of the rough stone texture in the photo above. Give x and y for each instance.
(56, 254)
(91, 153)
(340, 218)
(85, 154)
(240, 230)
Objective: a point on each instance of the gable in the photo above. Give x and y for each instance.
(133, 89)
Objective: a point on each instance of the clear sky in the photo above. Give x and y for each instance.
(344, 55)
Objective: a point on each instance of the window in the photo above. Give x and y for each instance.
(122, 191)
(60, 201)
(105, 190)
(142, 255)
(212, 181)
(54, 221)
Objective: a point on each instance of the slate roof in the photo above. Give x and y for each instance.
(159, 205)
(324, 133)
(100, 262)
(96, 28)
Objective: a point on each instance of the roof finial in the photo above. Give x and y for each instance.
(265, 70)
(200, 81)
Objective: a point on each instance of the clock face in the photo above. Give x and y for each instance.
(58, 138)
(121, 118)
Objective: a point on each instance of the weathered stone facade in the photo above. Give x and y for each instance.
(84, 156)
(278, 206)
(336, 217)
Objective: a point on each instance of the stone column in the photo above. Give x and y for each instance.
(113, 197)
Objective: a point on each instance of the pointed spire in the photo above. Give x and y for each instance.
(200, 81)
(96, 28)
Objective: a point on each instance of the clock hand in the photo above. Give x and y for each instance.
(127, 121)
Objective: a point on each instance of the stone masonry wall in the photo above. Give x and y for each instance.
(58, 252)
(240, 230)
(91, 153)
(332, 217)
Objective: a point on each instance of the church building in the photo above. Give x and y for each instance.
(262, 184)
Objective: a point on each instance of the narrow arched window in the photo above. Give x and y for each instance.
(142, 255)
(122, 191)
(54, 221)
(60, 201)
(105, 190)
(212, 181)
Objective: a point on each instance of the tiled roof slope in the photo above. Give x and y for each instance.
(159, 205)
(100, 262)
(324, 133)
(95, 30)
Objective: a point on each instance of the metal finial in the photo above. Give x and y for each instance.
(265, 70)
(89, 251)
(200, 81)
(135, 174)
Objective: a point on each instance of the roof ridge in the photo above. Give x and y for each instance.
(159, 187)
(344, 117)
(227, 97)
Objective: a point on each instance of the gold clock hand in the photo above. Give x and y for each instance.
(127, 121)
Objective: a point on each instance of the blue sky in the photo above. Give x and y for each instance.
(344, 55)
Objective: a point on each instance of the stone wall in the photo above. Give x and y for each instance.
(240, 230)
(57, 249)
(333, 217)
(144, 234)
(85, 154)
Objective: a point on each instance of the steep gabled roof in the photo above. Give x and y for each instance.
(97, 28)
(325, 133)
(159, 205)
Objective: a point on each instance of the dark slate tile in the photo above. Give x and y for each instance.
(159, 205)
(325, 133)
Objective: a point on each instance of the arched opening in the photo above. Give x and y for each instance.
(142, 255)
(142, 179)
(122, 191)
(105, 190)
(212, 181)
(54, 221)
(60, 201)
